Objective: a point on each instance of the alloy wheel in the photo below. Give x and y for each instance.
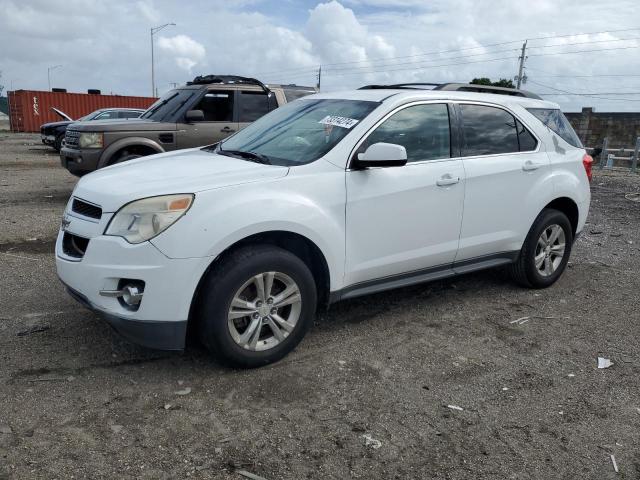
(264, 311)
(550, 250)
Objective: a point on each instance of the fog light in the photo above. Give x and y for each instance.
(129, 293)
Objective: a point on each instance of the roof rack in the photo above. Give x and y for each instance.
(408, 86)
(227, 79)
(472, 87)
(457, 87)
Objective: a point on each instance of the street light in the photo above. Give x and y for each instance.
(49, 74)
(155, 30)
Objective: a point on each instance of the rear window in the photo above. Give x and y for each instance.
(555, 120)
(293, 94)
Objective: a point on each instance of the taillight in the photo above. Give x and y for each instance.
(587, 161)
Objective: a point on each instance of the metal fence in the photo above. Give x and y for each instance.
(609, 156)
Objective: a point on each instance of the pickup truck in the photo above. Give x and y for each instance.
(203, 112)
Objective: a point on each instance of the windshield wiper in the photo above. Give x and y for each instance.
(251, 156)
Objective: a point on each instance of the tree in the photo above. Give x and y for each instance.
(1, 86)
(503, 82)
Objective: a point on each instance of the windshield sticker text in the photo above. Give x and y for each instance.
(343, 122)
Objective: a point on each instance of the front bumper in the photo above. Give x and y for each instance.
(48, 139)
(169, 285)
(80, 162)
(150, 334)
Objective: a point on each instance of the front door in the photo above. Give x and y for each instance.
(407, 219)
(219, 120)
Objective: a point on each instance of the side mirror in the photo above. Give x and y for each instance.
(382, 155)
(194, 116)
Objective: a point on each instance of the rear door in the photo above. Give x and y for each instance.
(505, 178)
(218, 106)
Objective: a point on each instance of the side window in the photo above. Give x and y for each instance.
(217, 106)
(526, 140)
(129, 114)
(107, 115)
(488, 131)
(422, 129)
(558, 123)
(253, 105)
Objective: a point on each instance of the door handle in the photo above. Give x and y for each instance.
(447, 180)
(530, 166)
(227, 130)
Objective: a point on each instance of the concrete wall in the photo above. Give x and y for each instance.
(621, 128)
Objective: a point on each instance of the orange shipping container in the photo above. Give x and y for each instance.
(28, 109)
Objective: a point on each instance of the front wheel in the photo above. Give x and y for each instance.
(256, 306)
(545, 252)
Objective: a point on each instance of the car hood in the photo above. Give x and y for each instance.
(55, 124)
(185, 171)
(118, 125)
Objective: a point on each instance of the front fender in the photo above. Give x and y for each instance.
(127, 142)
(222, 217)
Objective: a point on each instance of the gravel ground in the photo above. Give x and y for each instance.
(369, 392)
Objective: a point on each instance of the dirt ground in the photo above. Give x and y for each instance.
(367, 394)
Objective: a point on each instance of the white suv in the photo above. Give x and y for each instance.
(329, 197)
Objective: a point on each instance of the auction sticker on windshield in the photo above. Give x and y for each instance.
(343, 122)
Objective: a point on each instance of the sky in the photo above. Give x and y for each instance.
(573, 47)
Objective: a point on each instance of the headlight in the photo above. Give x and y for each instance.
(142, 220)
(91, 140)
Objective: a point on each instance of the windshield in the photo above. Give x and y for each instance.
(167, 105)
(299, 132)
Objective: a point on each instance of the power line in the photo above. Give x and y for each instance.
(369, 61)
(581, 51)
(565, 92)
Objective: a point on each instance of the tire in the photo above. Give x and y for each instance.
(57, 145)
(233, 282)
(125, 157)
(524, 270)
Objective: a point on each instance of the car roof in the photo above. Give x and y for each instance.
(403, 95)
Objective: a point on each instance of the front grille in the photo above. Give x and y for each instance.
(71, 138)
(86, 209)
(73, 245)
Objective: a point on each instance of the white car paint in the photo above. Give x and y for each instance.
(368, 224)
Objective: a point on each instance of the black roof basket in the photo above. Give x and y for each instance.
(408, 86)
(457, 87)
(227, 80)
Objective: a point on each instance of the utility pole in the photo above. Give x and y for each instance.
(49, 74)
(319, 77)
(155, 30)
(522, 58)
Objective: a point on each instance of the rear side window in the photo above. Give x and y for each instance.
(253, 105)
(555, 120)
(423, 130)
(488, 131)
(129, 114)
(293, 94)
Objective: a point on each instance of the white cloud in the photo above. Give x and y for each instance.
(106, 44)
(186, 51)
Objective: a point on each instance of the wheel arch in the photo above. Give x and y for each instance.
(300, 245)
(149, 147)
(569, 207)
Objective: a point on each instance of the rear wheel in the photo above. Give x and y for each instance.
(256, 306)
(545, 252)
